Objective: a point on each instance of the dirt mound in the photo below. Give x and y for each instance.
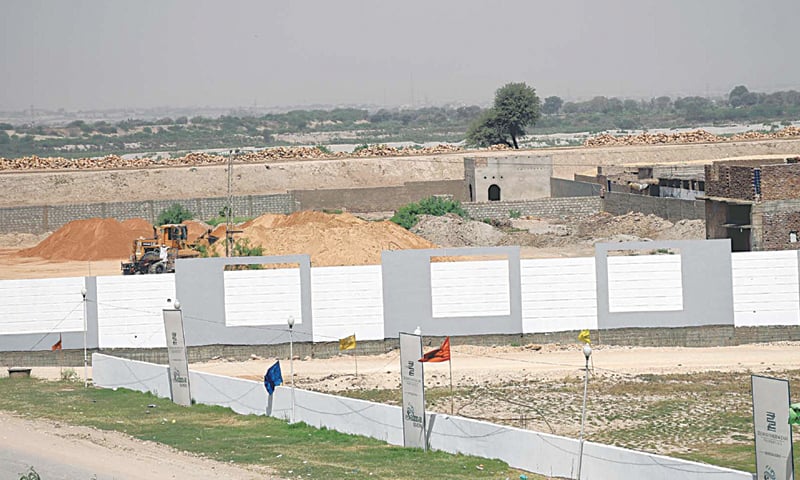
(451, 230)
(91, 239)
(195, 229)
(330, 239)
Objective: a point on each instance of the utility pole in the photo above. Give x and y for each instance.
(229, 208)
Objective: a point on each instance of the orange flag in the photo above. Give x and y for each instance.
(441, 354)
(57, 345)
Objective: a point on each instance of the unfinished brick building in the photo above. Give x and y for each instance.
(754, 202)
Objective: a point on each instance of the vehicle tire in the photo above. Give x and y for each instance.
(158, 268)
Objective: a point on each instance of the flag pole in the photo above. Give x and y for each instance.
(61, 366)
(450, 363)
(355, 357)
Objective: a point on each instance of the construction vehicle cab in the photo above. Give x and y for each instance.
(158, 254)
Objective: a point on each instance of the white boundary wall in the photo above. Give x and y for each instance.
(765, 288)
(41, 305)
(528, 450)
(470, 289)
(129, 310)
(346, 301)
(556, 295)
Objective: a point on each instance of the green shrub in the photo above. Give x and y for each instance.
(514, 213)
(174, 214)
(408, 215)
(324, 149)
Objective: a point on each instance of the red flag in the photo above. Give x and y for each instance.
(441, 354)
(57, 345)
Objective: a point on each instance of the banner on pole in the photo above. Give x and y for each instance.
(178, 361)
(413, 391)
(773, 433)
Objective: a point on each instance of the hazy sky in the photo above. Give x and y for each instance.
(147, 53)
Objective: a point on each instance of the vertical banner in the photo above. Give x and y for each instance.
(178, 362)
(773, 434)
(413, 391)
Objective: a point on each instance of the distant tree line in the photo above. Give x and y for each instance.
(515, 110)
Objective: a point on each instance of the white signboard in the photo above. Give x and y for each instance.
(178, 362)
(413, 391)
(773, 434)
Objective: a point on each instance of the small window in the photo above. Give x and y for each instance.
(793, 237)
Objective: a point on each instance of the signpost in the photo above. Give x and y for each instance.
(413, 391)
(773, 434)
(176, 353)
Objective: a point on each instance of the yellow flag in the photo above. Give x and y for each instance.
(347, 343)
(584, 336)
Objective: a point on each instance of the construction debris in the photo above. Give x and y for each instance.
(694, 136)
(196, 159)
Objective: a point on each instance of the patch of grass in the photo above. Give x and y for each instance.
(222, 219)
(220, 434)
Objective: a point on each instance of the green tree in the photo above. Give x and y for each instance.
(741, 96)
(487, 130)
(552, 105)
(176, 213)
(517, 107)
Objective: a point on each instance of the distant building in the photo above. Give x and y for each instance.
(492, 179)
(754, 202)
(684, 181)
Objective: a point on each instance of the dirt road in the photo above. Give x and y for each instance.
(65, 452)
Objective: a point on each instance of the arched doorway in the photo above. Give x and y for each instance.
(494, 193)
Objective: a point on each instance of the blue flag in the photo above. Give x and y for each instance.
(273, 377)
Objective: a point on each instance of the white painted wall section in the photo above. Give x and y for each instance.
(558, 294)
(129, 310)
(645, 283)
(262, 297)
(347, 301)
(470, 289)
(41, 305)
(765, 288)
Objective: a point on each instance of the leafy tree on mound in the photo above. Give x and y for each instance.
(176, 213)
(408, 215)
(515, 107)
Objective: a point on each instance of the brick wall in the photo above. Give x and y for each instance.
(730, 181)
(672, 209)
(46, 218)
(780, 182)
(543, 207)
(378, 199)
(772, 223)
(560, 187)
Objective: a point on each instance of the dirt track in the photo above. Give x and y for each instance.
(60, 451)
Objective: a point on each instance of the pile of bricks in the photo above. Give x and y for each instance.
(695, 136)
(200, 159)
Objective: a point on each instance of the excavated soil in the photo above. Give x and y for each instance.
(91, 239)
(330, 239)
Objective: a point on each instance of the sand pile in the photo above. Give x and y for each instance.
(195, 229)
(330, 239)
(91, 239)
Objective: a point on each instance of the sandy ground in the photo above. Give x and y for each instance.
(59, 451)
(503, 364)
(12, 266)
(473, 365)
